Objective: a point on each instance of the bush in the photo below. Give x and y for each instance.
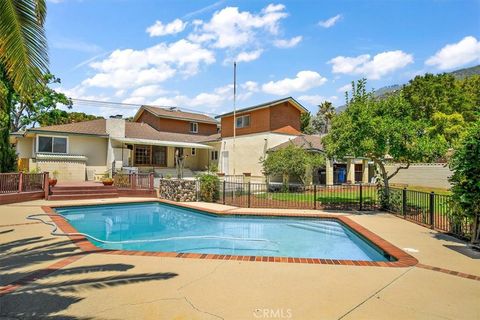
(209, 187)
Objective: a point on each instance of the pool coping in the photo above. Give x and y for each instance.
(403, 259)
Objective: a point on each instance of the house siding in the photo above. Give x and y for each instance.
(174, 125)
(259, 122)
(285, 115)
(265, 120)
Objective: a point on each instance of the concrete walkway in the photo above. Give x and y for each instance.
(75, 285)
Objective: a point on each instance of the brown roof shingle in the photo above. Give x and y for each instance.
(177, 114)
(93, 127)
(138, 130)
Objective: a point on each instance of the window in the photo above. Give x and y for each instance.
(193, 127)
(214, 155)
(52, 144)
(143, 155)
(194, 152)
(243, 121)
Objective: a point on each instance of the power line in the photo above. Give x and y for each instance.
(116, 105)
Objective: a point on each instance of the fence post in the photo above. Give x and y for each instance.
(361, 197)
(134, 181)
(432, 209)
(46, 185)
(152, 181)
(249, 193)
(20, 182)
(224, 184)
(314, 196)
(404, 203)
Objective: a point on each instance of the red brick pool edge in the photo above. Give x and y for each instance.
(403, 259)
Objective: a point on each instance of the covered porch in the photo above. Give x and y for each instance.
(155, 155)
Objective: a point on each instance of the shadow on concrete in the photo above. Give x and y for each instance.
(465, 250)
(58, 290)
(6, 231)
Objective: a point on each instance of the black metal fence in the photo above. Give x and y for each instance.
(436, 211)
(296, 196)
(429, 209)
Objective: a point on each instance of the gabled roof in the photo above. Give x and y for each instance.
(308, 142)
(273, 103)
(174, 113)
(92, 127)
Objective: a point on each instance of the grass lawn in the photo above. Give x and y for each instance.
(322, 196)
(426, 189)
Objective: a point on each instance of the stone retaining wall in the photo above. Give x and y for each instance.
(178, 190)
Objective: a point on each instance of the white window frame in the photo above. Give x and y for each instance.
(53, 138)
(242, 120)
(195, 127)
(214, 155)
(193, 152)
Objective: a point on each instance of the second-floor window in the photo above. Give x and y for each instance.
(52, 144)
(193, 127)
(243, 121)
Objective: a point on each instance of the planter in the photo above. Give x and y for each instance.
(247, 174)
(108, 183)
(220, 174)
(52, 182)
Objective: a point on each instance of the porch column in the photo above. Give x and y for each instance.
(329, 171)
(351, 170)
(365, 171)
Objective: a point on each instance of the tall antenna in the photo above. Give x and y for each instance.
(234, 112)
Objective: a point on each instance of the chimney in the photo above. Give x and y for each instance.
(115, 127)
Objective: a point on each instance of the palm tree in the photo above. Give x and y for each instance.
(23, 60)
(23, 44)
(327, 110)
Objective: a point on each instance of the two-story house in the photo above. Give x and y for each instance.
(256, 129)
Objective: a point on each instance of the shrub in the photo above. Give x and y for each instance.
(465, 181)
(209, 187)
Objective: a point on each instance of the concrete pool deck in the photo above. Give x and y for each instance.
(70, 284)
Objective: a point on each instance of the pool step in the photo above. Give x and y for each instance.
(321, 229)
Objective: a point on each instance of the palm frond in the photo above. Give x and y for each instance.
(23, 44)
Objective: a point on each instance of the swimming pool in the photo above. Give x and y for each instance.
(161, 227)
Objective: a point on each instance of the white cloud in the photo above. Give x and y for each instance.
(287, 43)
(304, 81)
(245, 56)
(330, 22)
(160, 29)
(130, 68)
(231, 28)
(373, 68)
(457, 54)
(345, 88)
(250, 86)
(316, 99)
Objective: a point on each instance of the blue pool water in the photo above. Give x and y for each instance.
(233, 235)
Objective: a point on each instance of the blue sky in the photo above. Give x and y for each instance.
(180, 53)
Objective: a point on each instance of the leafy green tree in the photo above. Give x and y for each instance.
(465, 164)
(381, 129)
(57, 116)
(444, 93)
(40, 106)
(306, 123)
(291, 161)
